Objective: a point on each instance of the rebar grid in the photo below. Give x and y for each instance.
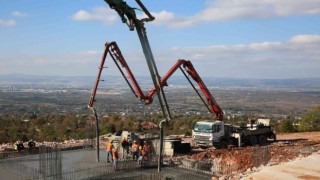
(50, 167)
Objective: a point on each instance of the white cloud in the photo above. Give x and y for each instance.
(222, 10)
(298, 46)
(19, 14)
(299, 56)
(7, 23)
(162, 17)
(305, 39)
(82, 63)
(81, 16)
(216, 10)
(103, 14)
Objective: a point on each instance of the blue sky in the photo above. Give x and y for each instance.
(222, 38)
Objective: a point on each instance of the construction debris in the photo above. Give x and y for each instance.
(246, 160)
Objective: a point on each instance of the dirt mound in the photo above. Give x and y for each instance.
(287, 148)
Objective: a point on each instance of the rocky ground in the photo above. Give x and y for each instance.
(245, 160)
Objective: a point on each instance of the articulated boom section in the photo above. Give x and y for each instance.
(117, 57)
(185, 66)
(115, 53)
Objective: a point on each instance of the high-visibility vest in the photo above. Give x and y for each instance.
(134, 148)
(146, 148)
(109, 147)
(115, 155)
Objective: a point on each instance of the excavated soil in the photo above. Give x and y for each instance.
(288, 147)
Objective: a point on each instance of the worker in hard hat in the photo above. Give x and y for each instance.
(31, 145)
(115, 158)
(135, 150)
(109, 150)
(125, 147)
(146, 150)
(141, 152)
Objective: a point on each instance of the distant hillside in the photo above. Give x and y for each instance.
(145, 81)
(298, 83)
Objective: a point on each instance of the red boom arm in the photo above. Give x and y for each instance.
(211, 104)
(115, 53)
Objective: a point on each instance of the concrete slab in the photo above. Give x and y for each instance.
(82, 164)
(71, 161)
(6, 173)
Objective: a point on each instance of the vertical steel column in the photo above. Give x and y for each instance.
(157, 83)
(97, 133)
(161, 145)
(153, 70)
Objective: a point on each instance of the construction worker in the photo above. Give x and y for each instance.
(115, 158)
(146, 149)
(125, 146)
(140, 155)
(140, 150)
(135, 150)
(31, 145)
(109, 150)
(19, 146)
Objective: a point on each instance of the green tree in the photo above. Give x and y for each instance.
(4, 136)
(287, 126)
(310, 121)
(111, 128)
(139, 127)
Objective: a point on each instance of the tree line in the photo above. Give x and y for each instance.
(61, 127)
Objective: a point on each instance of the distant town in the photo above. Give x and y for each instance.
(235, 96)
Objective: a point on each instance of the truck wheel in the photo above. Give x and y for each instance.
(224, 145)
(272, 137)
(262, 140)
(231, 142)
(253, 140)
(204, 147)
(217, 146)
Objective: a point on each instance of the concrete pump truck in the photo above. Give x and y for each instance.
(215, 133)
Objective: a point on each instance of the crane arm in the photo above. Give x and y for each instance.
(211, 104)
(114, 51)
(185, 66)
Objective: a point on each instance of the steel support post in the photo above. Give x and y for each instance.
(153, 71)
(157, 83)
(97, 133)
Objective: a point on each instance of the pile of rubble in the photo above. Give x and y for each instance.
(228, 161)
(285, 151)
(244, 160)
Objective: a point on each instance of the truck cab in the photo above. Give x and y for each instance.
(221, 135)
(207, 133)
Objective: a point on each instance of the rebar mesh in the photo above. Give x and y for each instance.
(51, 166)
(261, 155)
